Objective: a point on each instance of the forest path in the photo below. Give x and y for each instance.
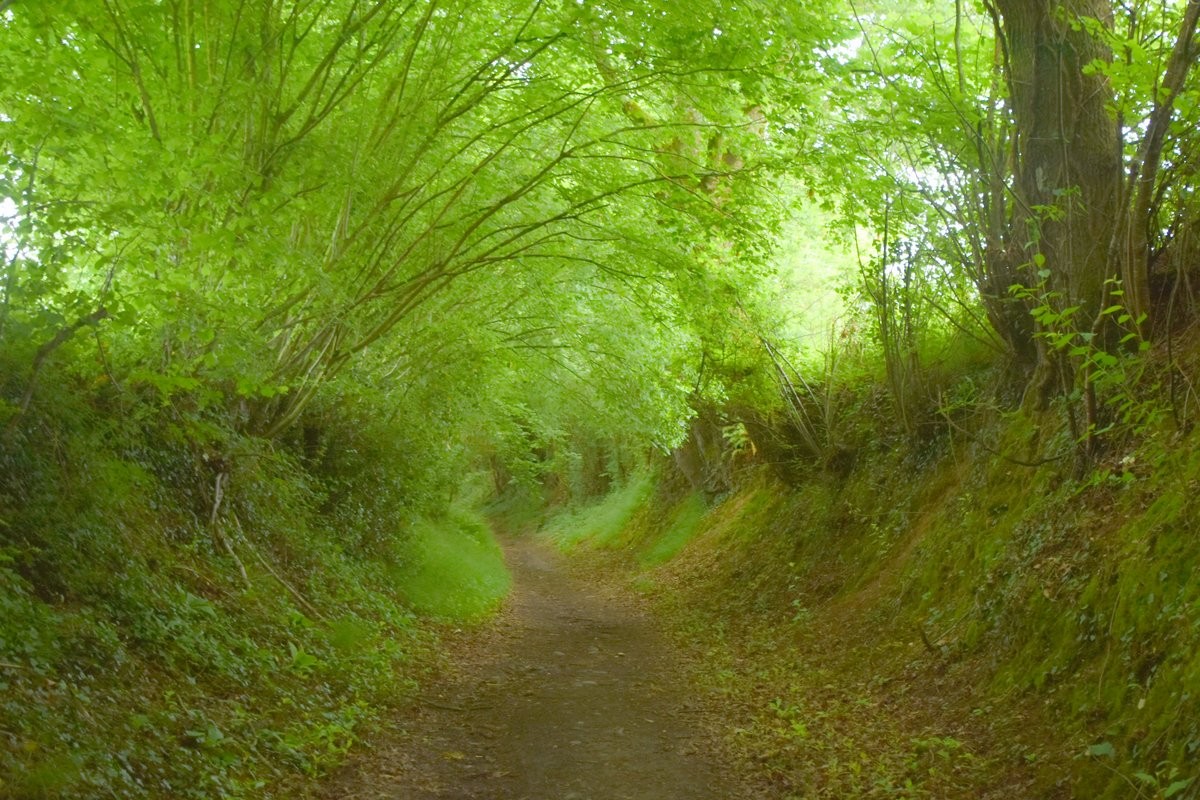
(571, 694)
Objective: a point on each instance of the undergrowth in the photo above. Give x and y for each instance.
(187, 612)
(940, 621)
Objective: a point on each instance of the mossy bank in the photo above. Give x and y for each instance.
(938, 621)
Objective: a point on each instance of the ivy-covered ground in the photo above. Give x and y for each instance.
(162, 639)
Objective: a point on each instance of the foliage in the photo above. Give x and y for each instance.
(144, 659)
(939, 166)
(273, 278)
(239, 211)
(278, 279)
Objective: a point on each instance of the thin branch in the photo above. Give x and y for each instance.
(43, 353)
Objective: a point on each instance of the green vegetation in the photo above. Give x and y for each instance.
(229, 648)
(275, 280)
(684, 524)
(151, 653)
(456, 570)
(940, 622)
(867, 333)
(600, 523)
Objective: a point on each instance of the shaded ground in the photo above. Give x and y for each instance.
(842, 693)
(570, 695)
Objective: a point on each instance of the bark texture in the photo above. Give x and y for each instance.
(1066, 158)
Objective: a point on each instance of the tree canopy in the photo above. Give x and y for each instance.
(244, 202)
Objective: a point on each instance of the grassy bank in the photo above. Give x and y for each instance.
(943, 623)
(174, 626)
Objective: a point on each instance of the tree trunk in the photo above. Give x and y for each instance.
(1143, 177)
(1066, 156)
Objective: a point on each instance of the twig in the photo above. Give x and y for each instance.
(301, 599)
(1112, 619)
(104, 361)
(203, 578)
(1040, 462)
(925, 641)
(215, 527)
(931, 645)
(447, 707)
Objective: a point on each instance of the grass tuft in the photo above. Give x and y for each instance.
(604, 523)
(455, 570)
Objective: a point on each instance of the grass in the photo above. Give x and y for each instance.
(456, 569)
(603, 524)
(685, 523)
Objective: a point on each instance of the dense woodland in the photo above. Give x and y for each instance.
(293, 293)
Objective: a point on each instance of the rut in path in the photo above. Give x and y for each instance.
(570, 695)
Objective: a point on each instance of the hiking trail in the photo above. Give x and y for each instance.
(570, 694)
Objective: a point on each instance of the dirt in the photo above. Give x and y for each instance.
(571, 694)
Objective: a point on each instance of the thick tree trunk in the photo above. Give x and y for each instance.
(1132, 242)
(1066, 155)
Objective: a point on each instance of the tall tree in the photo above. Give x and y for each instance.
(1065, 151)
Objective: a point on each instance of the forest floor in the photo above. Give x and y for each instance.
(571, 693)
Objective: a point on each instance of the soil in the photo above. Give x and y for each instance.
(570, 694)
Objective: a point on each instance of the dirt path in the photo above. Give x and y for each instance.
(570, 695)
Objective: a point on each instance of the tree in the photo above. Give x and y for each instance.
(1025, 152)
(258, 193)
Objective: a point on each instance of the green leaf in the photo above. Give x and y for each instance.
(1101, 749)
(1177, 787)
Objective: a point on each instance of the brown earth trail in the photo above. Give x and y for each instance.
(570, 695)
